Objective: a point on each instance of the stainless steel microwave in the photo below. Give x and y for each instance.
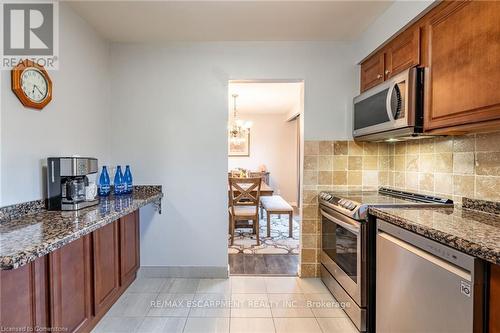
(391, 111)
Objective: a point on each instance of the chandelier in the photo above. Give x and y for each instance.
(238, 129)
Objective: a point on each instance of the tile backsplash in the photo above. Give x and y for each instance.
(452, 167)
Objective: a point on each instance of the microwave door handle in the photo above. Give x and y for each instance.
(352, 228)
(388, 107)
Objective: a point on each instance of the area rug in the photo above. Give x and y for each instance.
(278, 243)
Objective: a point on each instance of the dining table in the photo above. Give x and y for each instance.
(265, 190)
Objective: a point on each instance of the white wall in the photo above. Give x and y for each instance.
(170, 115)
(273, 142)
(77, 121)
(399, 14)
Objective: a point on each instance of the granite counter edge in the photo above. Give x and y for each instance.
(23, 258)
(463, 245)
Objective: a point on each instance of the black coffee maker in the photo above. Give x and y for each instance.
(68, 186)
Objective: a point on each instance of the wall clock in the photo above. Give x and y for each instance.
(31, 84)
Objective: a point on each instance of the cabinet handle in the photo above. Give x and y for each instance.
(387, 72)
(379, 76)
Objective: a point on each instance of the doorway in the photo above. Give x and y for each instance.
(265, 140)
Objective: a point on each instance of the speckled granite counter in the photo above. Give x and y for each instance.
(24, 238)
(474, 232)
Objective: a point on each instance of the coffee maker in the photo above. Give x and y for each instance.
(68, 186)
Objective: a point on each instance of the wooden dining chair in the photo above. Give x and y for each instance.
(244, 198)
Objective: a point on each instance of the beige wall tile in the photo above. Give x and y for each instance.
(383, 178)
(309, 226)
(325, 163)
(310, 177)
(413, 147)
(370, 162)
(370, 178)
(383, 148)
(340, 148)
(488, 142)
(308, 255)
(311, 148)
(354, 178)
(310, 162)
(463, 185)
(310, 211)
(400, 163)
(443, 183)
(400, 148)
(464, 143)
(426, 163)
(488, 164)
(443, 145)
(487, 188)
(355, 163)
(340, 177)
(412, 162)
(426, 182)
(463, 163)
(310, 196)
(355, 148)
(399, 179)
(326, 147)
(412, 180)
(370, 148)
(383, 162)
(427, 146)
(309, 241)
(308, 270)
(443, 162)
(340, 162)
(325, 178)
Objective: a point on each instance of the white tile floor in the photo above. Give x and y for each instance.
(237, 304)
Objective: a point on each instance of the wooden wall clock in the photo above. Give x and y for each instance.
(31, 84)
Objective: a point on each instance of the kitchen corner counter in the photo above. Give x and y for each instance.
(470, 231)
(27, 237)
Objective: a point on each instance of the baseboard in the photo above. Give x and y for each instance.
(203, 272)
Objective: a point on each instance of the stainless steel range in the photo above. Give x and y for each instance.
(348, 245)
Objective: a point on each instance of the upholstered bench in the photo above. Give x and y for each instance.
(277, 205)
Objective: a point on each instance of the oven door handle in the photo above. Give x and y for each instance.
(354, 228)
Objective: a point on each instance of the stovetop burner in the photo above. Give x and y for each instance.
(356, 204)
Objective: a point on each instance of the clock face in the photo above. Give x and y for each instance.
(33, 84)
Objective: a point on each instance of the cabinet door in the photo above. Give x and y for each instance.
(129, 247)
(70, 285)
(464, 67)
(403, 52)
(24, 296)
(105, 243)
(372, 71)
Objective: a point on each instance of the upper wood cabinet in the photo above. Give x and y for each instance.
(401, 53)
(372, 71)
(463, 79)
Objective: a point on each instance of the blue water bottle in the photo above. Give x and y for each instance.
(128, 180)
(104, 183)
(119, 184)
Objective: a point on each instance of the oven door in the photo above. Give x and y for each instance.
(386, 107)
(343, 246)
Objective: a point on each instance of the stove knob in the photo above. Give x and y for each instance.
(328, 197)
(352, 206)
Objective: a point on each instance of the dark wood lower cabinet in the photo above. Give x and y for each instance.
(105, 243)
(494, 302)
(129, 247)
(71, 286)
(24, 296)
(74, 286)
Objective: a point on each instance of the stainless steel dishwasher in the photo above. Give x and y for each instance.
(424, 286)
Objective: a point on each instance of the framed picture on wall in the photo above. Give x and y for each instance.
(240, 147)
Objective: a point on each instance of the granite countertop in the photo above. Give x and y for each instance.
(471, 231)
(35, 234)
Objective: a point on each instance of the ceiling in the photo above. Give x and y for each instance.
(234, 20)
(265, 97)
